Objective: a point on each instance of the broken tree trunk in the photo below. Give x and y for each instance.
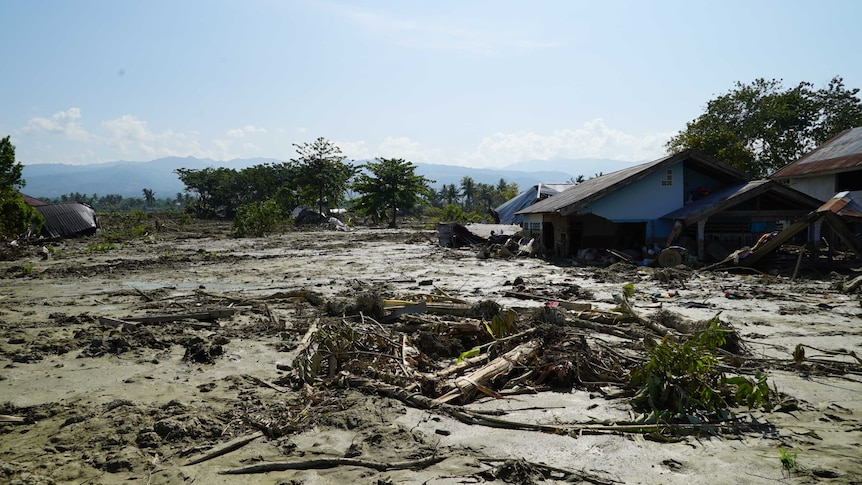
(466, 386)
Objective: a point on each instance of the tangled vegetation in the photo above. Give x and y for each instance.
(683, 379)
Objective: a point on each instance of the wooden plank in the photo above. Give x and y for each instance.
(208, 315)
(568, 305)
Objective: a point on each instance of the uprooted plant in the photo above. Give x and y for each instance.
(682, 380)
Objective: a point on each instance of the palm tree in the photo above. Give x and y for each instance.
(149, 196)
(468, 191)
(449, 193)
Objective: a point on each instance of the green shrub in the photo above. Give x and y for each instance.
(100, 247)
(257, 219)
(16, 215)
(683, 379)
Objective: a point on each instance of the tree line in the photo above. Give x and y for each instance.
(117, 203)
(320, 177)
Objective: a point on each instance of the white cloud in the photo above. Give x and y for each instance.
(64, 123)
(133, 137)
(403, 147)
(245, 130)
(354, 150)
(390, 147)
(593, 140)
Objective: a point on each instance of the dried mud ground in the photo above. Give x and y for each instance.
(108, 405)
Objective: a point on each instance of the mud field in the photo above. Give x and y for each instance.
(88, 399)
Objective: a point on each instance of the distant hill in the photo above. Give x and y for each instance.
(130, 178)
(125, 178)
(452, 174)
(588, 167)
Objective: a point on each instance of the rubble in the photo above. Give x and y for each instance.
(330, 359)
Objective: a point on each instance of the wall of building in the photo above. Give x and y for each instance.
(820, 187)
(649, 198)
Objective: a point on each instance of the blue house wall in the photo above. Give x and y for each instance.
(652, 197)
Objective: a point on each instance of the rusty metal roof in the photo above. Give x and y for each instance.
(32, 201)
(842, 153)
(570, 201)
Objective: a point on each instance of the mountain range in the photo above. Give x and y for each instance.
(130, 178)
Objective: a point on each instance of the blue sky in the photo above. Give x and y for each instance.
(475, 83)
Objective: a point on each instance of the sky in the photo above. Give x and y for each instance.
(473, 83)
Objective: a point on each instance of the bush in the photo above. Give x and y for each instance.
(454, 213)
(257, 219)
(16, 215)
(684, 379)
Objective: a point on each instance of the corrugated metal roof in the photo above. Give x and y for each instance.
(842, 153)
(32, 201)
(506, 211)
(736, 194)
(68, 219)
(570, 201)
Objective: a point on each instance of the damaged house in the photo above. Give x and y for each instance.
(831, 172)
(701, 203)
(508, 211)
(66, 219)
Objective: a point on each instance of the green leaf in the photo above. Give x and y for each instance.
(468, 354)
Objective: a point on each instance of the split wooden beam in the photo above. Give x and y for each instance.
(466, 386)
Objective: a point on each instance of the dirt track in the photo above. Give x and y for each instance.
(103, 404)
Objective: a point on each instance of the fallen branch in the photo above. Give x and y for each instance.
(5, 418)
(550, 472)
(333, 463)
(622, 332)
(226, 448)
(467, 416)
(568, 305)
(207, 315)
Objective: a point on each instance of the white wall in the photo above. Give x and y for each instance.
(820, 187)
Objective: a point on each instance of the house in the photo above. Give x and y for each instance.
(507, 210)
(831, 172)
(67, 219)
(702, 202)
(834, 166)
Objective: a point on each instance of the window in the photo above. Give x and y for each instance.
(668, 178)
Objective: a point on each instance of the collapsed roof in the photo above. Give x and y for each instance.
(507, 210)
(66, 219)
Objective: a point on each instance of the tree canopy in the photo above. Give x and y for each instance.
(222, 191)
(323, 175)
(10, 170)
(760, 127)
(390, 184)
(15, 214)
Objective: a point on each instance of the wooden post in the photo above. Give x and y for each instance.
(701, 235)
(815, 238)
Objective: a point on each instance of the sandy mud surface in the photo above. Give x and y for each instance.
(87, 399)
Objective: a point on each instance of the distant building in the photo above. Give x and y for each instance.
(507, 211)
